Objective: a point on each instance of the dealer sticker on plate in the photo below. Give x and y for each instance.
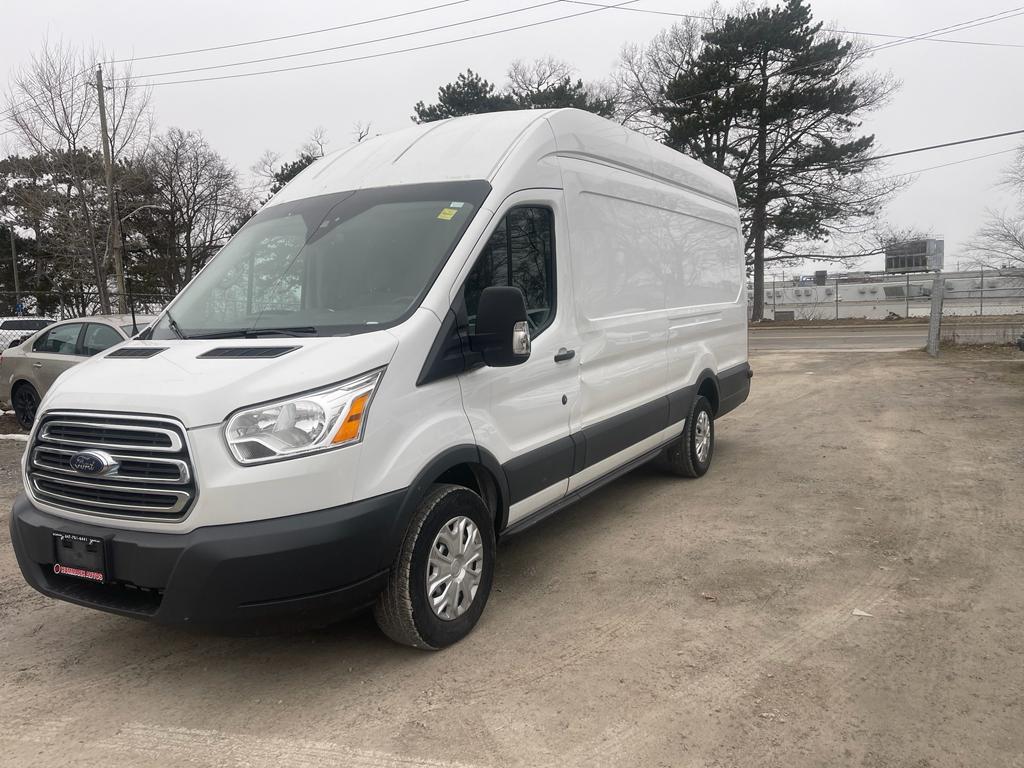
(79, 556)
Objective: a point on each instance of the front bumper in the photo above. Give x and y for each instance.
(307, 568)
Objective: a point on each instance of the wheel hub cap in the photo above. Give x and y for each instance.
(702, 436)
(454, 568)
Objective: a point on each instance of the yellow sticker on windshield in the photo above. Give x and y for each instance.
(447, 214)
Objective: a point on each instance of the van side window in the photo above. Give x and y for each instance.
(520, 253)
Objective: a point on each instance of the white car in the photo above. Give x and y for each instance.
(424, 343)
(13, 330)
(29, 369)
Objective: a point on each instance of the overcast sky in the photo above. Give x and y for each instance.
(949, 91)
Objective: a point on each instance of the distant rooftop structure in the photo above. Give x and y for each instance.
(915, 256)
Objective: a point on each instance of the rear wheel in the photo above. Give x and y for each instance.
(25, 401)
(690, 455)
(442, 577)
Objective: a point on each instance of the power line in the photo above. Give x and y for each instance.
(938, 146)
(969, 24)
(289, 37)
(9, 111)
(387, 53)
(698, 17)
(360, 42)
(13, 108)
(981, 21)
(945, 165)
(866, 160)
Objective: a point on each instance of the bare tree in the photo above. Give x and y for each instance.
(861, 239)
(526, 77)
(199, 199)
(52, 108)
(548, 82)
(644, 71)
(265, 167)
(316, 145)
(1000, 241)
(360, 130)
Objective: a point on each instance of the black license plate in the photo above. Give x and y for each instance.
(79, 556)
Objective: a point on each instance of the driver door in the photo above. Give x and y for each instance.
(522, 414)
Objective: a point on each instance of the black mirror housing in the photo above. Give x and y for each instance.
(502, 334)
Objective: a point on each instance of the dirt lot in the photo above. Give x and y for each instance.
(659, 623)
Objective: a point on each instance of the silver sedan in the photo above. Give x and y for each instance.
(28, 370)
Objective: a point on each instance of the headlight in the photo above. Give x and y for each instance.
(309, 423)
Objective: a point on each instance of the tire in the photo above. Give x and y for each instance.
(405, 610)
(690, 455)
(25, 401)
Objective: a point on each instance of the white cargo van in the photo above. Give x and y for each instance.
(424, 343)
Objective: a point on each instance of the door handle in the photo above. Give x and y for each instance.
(37, 365)
(564, 354)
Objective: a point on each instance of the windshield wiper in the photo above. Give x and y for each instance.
(255, 333)
(173, 325)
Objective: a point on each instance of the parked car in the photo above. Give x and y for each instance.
(14, 330)
(28, 370)
(423, 343)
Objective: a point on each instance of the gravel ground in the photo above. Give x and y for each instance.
(660, 622)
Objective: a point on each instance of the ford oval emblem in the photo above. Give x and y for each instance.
(93, 463)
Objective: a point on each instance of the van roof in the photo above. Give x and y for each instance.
(490, 145)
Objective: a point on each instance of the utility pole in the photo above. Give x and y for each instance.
(981, 310)
(935, 321)
(14, 266)
(906, 314)
(115, 219)
(837, 298)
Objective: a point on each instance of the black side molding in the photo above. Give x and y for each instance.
(733, 387)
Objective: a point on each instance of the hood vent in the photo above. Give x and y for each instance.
(246, 352)
(137, 352)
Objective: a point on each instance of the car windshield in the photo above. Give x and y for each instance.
(335, 264)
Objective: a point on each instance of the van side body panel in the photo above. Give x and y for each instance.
(659, 276)
(412, 425)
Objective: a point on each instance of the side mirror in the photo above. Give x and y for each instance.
(502, 332)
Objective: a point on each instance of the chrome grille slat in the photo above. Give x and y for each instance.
(153, 478)
(181, 474)
(44, 485)
(100, 435)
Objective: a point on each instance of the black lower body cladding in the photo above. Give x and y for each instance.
(733, 387)
(319, 565)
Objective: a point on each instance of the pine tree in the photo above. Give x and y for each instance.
(774, 102)
(470, 94)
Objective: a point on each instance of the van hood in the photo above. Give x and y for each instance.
(178, 381)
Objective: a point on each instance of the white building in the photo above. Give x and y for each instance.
(876, 295)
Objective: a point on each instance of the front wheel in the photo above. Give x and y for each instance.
(25, 401)
(442, 577)
(690, 455)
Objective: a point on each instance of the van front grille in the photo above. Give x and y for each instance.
(112, 464)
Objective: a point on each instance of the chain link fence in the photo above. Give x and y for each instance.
(58, 305)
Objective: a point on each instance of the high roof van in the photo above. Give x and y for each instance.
(423, 344)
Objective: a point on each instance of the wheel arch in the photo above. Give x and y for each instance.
(707, 385)
(466, 465)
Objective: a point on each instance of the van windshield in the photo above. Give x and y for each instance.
(337, 264)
